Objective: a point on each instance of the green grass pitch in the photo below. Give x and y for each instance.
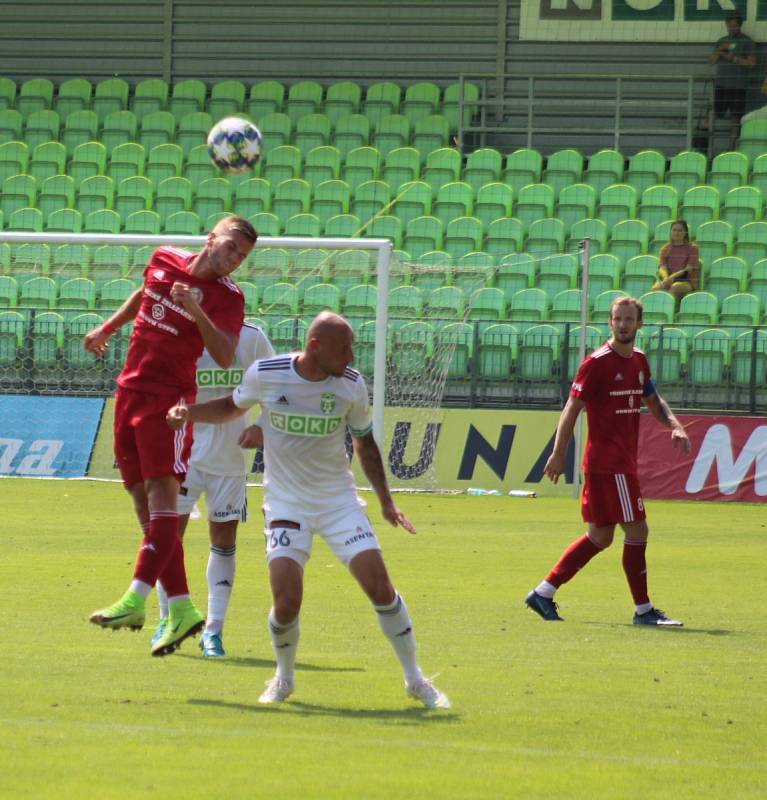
(592, 708)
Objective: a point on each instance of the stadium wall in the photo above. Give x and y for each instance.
(65, 437)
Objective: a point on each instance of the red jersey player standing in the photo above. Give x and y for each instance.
(187, 302)
(612, 383)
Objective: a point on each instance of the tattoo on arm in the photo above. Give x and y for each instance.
(371, 462)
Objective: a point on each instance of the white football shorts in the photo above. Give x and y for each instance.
(347, 531)
(226, 496)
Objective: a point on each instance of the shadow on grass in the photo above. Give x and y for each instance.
(411, 716)
(668, 629)
(235, 661)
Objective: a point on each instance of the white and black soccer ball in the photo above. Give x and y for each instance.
(234, 144)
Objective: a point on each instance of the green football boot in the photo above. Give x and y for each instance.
(127, 612)
(184, 620)
(160, 630)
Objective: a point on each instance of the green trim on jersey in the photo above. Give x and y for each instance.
(213, 378)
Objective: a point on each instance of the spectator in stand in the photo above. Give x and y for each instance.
(679, 263)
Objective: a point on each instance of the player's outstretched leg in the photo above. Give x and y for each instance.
(127, 612)
(184, 620)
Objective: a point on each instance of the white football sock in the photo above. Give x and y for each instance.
(221, 568)
(394, 620)
(162, 599)
(545, 589)
(140, 587)
(285, 644)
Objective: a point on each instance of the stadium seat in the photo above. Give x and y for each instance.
(110, 262)
(604, 273)
(463, 235)
(563, 168)
(483, 166)
(725, 276)
(686, 169)
(430, 271)
(714, 240)
(423, 234)
(646, 168)
(126, 161)
(281, 164)
(700, 204)
(539, 353)
(304, 97)
(79, 127)
(522, 167)
(343, 225)
(381, 100)
(291, 197)
(266, 97)
(157, 127)
(405, 302)
(698, 308)
(493, 201)
(742, 205)
(360, 301)
(349, 268)
(603, 169)
(330, 199)
(252, 196)
(546, 236)
(30, 260)
(26, 219)
(708, 357)
(8, 91)
(453, 352)
(751, 244)
(629, 238)
(288, 335)
(487, 303)
(387, 226)
(351, 131)
(266, 223)
(534, 201)
(749, 352)
(38, 292)
(173, 194)
(312, 130)
(758, 177)
(413, 200)
(57, 192)
(165, 161)
(370, 198)
(88, 159)
(639, 275)
(504, 236)
(498, 350)
(443, 166)
(566, 306)
(185, 223)
(280, 299)
(9, 291)
(413, 347)
(658, 203)
(594, 339)
(401, 166)
(658, 307)
(322, 164)
(18, 191)
(454, 199)
(421, 100)
(728, 170)
(321, 297)
(96, 192)
(557, 273)
(341, 99)
(445, 303)
(276, 130)
(187, 97)
(119, 128)
(391, 132)
(212, 196)
(11, 125)
(14, 160)
(35, 95)
(595, 230)
(227, 99)
(104, 220)
(144, 222)
(133, 194)
(740, 309)
(576, 202)
(460, 104)
(47, 340)
(362, 164)
(617, 203)
(110, 96)
(529, 305)
(150, 94)
(77, 293)
(666, 350)
(430, 133)
(603, 303)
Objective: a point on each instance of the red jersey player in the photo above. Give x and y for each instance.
(188, 302)
(612, 384)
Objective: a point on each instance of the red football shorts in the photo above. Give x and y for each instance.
(145, 446)
(612, 499)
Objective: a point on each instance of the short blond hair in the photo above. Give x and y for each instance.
(239, 224)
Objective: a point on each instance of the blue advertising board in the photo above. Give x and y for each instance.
(47, 436)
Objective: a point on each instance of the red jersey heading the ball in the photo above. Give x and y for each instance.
(612, 387)
(166, 342)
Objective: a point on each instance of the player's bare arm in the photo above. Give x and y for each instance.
(95, 341)
(555, 465)
(220, 344)
(370, 460)
(214, 411)
(659, 408)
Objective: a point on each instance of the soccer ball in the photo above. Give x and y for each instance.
(234, 144)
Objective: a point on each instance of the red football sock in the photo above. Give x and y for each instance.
(161, 552)
(577, 555)
(635, 567)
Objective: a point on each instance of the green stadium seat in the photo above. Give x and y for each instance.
(364, 344)
(120, 128)
(304, 97)
(708, 357)
(402, 165)
(751, 244)
(250, 293)
(629, 238)
(453, 351)
(423, 234)
(421, 100)
(77, 293)
(413, 347)
(758, 177)
(546, 236)
(30, 260)
(742, 205)
(303, 225)
(88, 159)
(350, 268)
(18, 191)
(351, 131)
(483, 166)
(413, 200)
(445, 303)
(725, 276)
(430, 133)
(386, 226)
(80, 127)
(463, 235)
(57, 192)
(212, 196)
(529, 305)
(266, 97)
(381, 100)
(47, 340)
(343, 226)
(41, 126)
(267, 265)
(522, 167)
(603, 303)
(104, 220)
(594, 339)
(534, 201)
(70, 261)
(321, 297)
(173, 194)
(658, 203)
(639, 275)
(11, 125)
(504, 236)
(281, 164)
(753, 138)
(330, 199)
(538, 353)
(666, 351)
(661, 236)
(126, 161)
(157, 127)
(595, 230)
(740, 309)
(361, 301)
(557, 273)
(96, 193)
(198, 166)
(700, 204)
(110, 262)
(14, 159)
(276, 129)
(8, 91)
(714, 240)
(686, 169)
(187, 97)
(431, 270)
(698, 308)
(563, 168)
(291, 197)
(728, 170)
(646, 168)
(617, 203)
(266, 223)
(487, 303)
(473, 271)
(757, 280)
(443, 166)
(323, 163)
(227, 99)
(603, 169)
(12, 331)
(604, 274)
(576, 202)
(392, 132)
(76, 359)
(252, 196)
(150, 94)
(185, 223)
(288, 335)
(110, 96)
(454, 199)
(280, 299)
(748, 347)
(362, 164)
(371, 198)
(165, 161)
(497, 352)
(133, 194)
(38, 292)
(9, 290)
(460, 103)
(143, 222)
(493, 201)
(35, 94)
(658, 307)
(405, 302)
(341, 99)
(312, 130)
(26, 219)
(566, 306)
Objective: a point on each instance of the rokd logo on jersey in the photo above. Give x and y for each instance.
(215, 378)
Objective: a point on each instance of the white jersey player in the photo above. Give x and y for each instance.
(308, 401)
(218, 467)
